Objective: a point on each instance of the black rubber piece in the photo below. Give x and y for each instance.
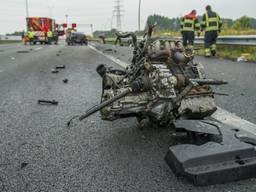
(65, 81)
(60, 67)
(211, 163)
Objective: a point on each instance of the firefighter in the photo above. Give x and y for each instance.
(31, 36)
(49, 37)
(189, 25)
(211, 24)
(56, 37)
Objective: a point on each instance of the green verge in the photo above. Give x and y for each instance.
(232, 51)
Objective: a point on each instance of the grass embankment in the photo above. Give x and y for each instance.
(8, 41)
(232, 52)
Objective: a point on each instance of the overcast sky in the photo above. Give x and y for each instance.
(99, 12)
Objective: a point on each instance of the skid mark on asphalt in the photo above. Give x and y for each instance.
(220, 115)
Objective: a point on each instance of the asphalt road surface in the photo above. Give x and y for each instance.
(38, 152)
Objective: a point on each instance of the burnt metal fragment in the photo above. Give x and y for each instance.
(60, 67)
(24, 51)
(54, 71)
(23, 165)
(46, 102)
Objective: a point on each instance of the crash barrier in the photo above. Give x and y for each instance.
(228, 40)
(244, 40)
(10, 38)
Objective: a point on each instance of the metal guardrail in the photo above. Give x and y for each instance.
(244, 40)
(10, 38)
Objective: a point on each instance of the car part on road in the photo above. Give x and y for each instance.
(212, 153)
(54, 71)
(52, 102)
(23, 51)
(23, 165)
(60, 67)
(165, 86)
(164, 82)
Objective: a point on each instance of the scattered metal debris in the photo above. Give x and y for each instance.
(55, 71)
(60, 67)
(24, 51)
(23, 165)
(52, 102)
(108, 50)
(65, 81)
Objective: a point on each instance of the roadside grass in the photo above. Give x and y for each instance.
(232, 52)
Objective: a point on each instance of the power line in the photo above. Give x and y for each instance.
(118, 13)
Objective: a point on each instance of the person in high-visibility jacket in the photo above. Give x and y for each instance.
(49, 37)
(189, 25)
(31, 37)
(211, 24)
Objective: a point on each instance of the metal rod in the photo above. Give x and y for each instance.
(105, 103)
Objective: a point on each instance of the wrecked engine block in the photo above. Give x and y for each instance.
(162, 84)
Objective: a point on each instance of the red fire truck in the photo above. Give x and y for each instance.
(41, 25)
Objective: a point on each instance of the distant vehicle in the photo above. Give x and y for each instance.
(40, 26)
(76, 38)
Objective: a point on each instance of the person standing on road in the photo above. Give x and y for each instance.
(49, 37)
(56, 37)
(211, 24)
(31, 36)
(189, 25)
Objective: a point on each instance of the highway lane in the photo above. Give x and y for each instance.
(39, 153)
(241, 77)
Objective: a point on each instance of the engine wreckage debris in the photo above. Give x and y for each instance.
(164, 85)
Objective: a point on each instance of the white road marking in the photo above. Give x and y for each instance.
(220, 115)
(115, 60)
(38, 48)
